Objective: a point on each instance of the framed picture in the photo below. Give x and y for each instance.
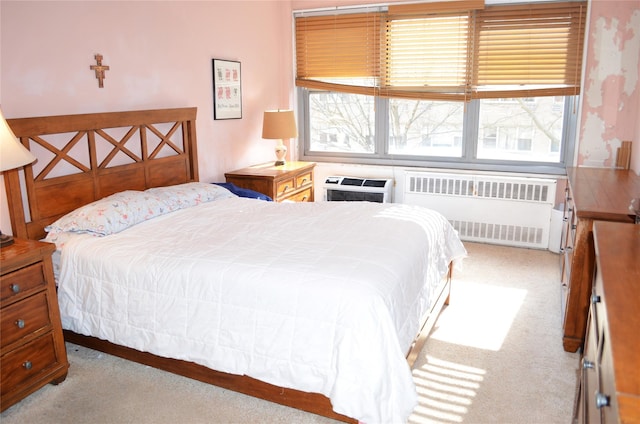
(227, 89)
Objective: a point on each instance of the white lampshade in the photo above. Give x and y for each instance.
(278, 125)
(12, 153)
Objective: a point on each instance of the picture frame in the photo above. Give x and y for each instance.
(227, 89)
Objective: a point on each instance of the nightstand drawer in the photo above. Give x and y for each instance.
(28, 362)
(301, 196)
(285, 187)
(304, 179)
(24, 318)
(19, 282)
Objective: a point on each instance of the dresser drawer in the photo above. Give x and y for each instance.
(17, 283)
(607, 387)
(597, 309)
(590, 378)
(24, 318)
(29, 362)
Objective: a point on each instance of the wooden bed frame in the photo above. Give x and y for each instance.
(152, 148)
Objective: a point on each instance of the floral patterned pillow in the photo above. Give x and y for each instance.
(111, 214)
(185, 195)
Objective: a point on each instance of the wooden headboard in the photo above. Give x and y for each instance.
(82, 158)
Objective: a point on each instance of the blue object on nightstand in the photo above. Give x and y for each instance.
(244, 192)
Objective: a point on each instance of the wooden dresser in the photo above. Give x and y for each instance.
(592, 194)
(32, 348)
(292, 181)
(610, 377)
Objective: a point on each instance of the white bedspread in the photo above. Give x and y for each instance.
(320, 297)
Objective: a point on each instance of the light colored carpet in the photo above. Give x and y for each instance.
(495, 356)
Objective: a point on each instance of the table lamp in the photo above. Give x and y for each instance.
(12, 155)
(278, 125)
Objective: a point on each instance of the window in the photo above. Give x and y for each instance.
(425, 128)
(439, 83)
(507, 131)
(521, 129)
(341, 123)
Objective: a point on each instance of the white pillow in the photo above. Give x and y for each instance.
(185, 195)
(111, 214)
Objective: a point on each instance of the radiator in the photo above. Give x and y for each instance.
(513, 211)
(357, 189)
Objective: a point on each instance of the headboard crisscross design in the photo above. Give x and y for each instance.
(82, 158)
(59, 155)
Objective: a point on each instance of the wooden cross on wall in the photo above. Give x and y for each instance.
(100, 69)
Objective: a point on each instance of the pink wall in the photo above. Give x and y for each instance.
(159, 55)
(611, 95)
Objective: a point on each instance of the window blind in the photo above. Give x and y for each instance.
(445, 50)
(529, 50)
(339, 52)
(427, 55)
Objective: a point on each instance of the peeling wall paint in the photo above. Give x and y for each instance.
(611, 96)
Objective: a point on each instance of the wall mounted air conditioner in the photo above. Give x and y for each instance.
(349, 189)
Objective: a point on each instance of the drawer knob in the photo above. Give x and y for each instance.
(602, 400)
(587, 364)
(27, 365)
(595, 298)
(20, 323)
(15, 288)
(574, 226)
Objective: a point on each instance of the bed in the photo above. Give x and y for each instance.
(319, 306)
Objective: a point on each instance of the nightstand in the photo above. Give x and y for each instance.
(292, 181)
(32, 347)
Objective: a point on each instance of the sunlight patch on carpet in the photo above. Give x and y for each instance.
(489, 312)
(446, 390)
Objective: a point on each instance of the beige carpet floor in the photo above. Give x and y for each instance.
(495, 356)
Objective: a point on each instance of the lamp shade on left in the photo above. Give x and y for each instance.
(12, 153)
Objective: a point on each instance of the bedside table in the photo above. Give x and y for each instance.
(32, 347)
(292, 181)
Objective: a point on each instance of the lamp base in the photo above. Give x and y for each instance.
(281, 153)
(5, 240)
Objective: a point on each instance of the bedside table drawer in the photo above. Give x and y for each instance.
(285, 187)
(301, 196)
(24, 318)
(21, 281)
(27, 362)
(304, 179)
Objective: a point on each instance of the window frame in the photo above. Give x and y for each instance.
(468, 159)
